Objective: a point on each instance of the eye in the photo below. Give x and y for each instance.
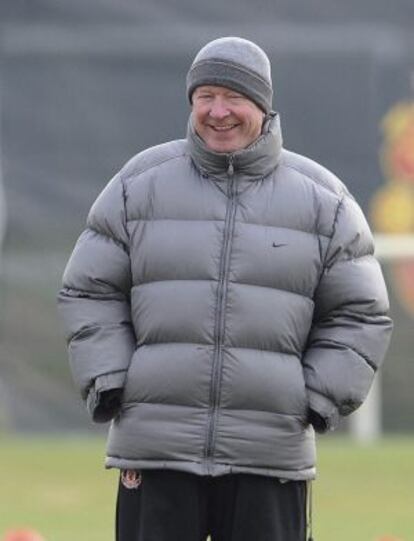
(236, 98)
(203, 96)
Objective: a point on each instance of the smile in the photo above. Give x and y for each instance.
(223, 128)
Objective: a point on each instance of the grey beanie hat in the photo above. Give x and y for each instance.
(234, 63)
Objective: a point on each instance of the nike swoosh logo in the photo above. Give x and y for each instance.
(278, 245)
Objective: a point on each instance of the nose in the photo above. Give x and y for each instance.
(219, 109)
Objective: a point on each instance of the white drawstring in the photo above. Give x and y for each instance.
(309, 511)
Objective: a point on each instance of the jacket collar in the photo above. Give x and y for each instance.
(256, 161)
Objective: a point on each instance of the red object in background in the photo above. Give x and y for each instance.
(389, 538)
(23, 534)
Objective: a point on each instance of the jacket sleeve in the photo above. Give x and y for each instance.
(94, 301)
(351, 329)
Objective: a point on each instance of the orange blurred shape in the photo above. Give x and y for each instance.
(23, 534)
(388, 538)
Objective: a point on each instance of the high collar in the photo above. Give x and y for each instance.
(256, 161)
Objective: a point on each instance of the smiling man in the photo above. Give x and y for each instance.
(222, 305)
(225, 119)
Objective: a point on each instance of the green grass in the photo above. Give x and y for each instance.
(60, 488)
(57, 487)
(364, 493)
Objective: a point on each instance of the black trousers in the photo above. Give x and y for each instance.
(175, 506)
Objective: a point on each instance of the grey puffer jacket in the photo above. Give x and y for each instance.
(226, 295)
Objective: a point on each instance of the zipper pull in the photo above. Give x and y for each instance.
(230, 169)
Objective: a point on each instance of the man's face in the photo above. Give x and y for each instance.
(225, 119)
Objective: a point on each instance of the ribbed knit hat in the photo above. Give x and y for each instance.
(234, 63)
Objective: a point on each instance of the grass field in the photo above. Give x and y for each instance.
(59, 487)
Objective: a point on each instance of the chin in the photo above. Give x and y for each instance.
(222, 147)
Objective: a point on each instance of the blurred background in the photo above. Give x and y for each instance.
(86, 84)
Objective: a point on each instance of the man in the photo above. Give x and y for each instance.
(222, 303)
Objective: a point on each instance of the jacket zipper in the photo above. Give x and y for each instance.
(221, 307)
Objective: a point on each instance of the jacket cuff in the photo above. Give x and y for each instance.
(114, 380)
(325, 408)
(104, 397)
